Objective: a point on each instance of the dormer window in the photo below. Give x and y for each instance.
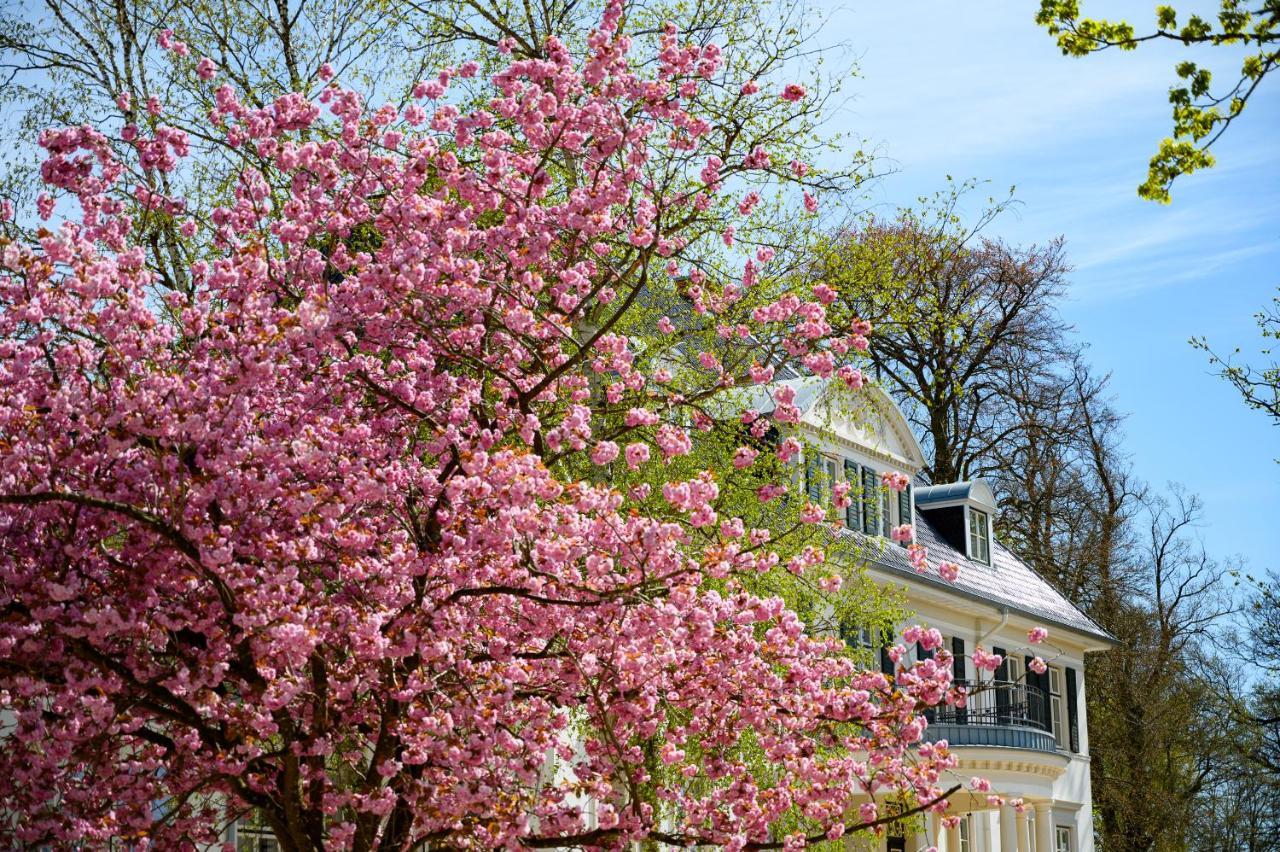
(961, 513)
(979, 536)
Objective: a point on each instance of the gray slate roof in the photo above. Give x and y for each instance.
(1007, 581)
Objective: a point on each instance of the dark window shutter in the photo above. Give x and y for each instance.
(904, 506)
(886, 662)
(848, 634)
(813, 475)
(1073, 722)
(1032, 682)
(885, 520)
(852, 514)
(1003, 692)
(922, 654)
(1040, 709)
(870, 502)
(958, 674)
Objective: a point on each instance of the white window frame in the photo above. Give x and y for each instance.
(978, 539)
(1013, 665)
(1062, 841)
(830, 471)
(966, 834)
(1055, 706)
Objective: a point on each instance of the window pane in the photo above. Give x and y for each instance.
(1059, 733)
(979, 546)
(1063, 839)
(1015, 668)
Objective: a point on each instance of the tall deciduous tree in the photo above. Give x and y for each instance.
(314, 534)
(956, 314)
(1162, 728)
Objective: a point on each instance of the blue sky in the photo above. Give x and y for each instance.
(984, 93)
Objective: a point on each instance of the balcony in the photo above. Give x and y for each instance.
(999, 714)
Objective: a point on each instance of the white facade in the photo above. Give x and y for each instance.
(1027, 736)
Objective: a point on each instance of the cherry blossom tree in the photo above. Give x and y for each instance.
(352, 529)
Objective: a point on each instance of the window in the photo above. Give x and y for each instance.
(870, 502)
(820, 475)
(979, 537)
(1055, 706)
(1014, 668)
(813, 475)
(853, 514)
(966, 844)
(1062, 839)
(856, 636)
(829, 468)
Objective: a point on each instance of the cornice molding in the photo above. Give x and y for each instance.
(1020, 766)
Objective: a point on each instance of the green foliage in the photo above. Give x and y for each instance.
(1199, 116)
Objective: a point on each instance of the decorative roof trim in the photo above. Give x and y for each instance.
(862, 449)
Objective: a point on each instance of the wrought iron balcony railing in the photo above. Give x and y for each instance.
(999, 703)
(999, 713)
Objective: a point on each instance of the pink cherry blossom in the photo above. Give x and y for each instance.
(1036, 635)
(321, 532)
(793, 92)
(986, 662)
(636, 454)
(605, 452)
(895, 480)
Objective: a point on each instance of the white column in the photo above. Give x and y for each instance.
(953, 839)
(1008, 829)
(1044, 826)
(1024, 833)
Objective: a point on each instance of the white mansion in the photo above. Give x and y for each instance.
(1026, 733)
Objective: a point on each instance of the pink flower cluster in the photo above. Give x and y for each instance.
(986, 662)
(323, 531)
(895, 480)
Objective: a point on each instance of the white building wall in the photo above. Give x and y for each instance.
(1059, 780)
